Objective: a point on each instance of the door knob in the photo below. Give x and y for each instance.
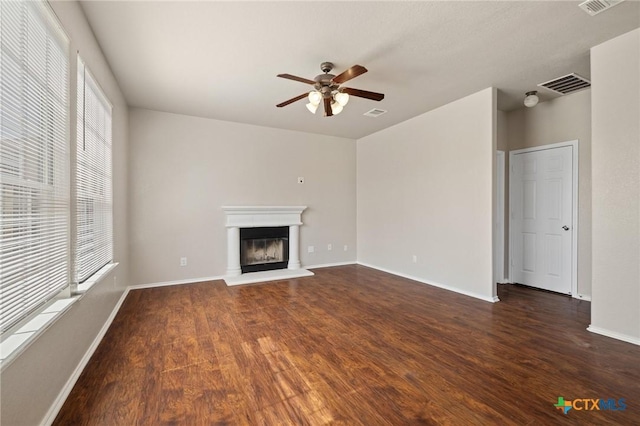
(566, 228)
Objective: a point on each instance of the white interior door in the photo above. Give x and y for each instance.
(541, 202)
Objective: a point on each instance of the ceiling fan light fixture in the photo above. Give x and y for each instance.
(312, 108)
(315, 98)
(341, 98)
(327, 90)
(531, 99)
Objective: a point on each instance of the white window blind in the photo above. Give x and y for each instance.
(94, 243)
(34, 159)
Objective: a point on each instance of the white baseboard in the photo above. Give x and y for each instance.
(66, 390)
(614, 335)
(328, 265)
(177, 282)
(433, 283)
(505, 281)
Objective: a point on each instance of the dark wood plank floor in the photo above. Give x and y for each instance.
(350, 345)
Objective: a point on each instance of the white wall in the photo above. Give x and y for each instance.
(425, 188)
(33, 381)
(184, 169)
(559, 120)
(503, 131)
(615, 106)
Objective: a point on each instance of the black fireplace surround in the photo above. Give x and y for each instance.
(264, 249)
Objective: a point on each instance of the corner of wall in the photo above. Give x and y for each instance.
(615, 299)
(446, 156)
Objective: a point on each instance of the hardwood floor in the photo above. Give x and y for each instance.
(350, 345)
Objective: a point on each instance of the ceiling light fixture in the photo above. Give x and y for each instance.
(341, 98)
(336, 108)
(531, 99)
(328, 90)
(315, 97)
(338, 101)
(312, 108)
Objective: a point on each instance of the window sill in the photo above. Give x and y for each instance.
(95, 278)
(16, 342)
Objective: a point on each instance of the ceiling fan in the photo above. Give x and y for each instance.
(327, 89)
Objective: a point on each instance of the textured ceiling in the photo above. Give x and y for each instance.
(220, 59)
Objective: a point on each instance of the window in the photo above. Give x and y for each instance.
(94, 241)
(34, 159)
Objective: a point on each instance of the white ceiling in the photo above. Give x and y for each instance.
(220, 59)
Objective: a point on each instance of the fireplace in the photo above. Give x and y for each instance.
(264, 249)
(263, 243)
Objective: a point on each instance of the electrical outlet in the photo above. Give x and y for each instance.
(346, 248)
(300, 179)
(415, 259)
(311, 249)
(183, 261)
(329, 247)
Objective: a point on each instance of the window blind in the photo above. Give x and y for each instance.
(94, 242)
(34, 159)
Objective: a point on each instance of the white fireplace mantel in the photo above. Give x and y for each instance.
(260, 216)
(257, 217)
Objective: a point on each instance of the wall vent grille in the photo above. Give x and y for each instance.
(566, 84)
(375, 112)
(593, 7)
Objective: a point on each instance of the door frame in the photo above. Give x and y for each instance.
(499, 226)
(574, 218)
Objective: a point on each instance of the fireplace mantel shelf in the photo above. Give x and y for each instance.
(257, 216)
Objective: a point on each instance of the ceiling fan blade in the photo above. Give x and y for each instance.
(292, 100)
(296, 78)
(363, 93)
(352, 72)
(327, 107)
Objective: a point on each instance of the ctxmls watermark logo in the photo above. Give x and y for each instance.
(590, 404)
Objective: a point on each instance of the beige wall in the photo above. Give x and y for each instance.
(559, 120)
(425, 188)
(32, 382)
(184, 169)
(615, 71)
(503, 131)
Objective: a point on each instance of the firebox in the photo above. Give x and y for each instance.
(264, 249)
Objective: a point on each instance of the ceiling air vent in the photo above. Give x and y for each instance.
(593, 7)
(566, 84)
(374, 112)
